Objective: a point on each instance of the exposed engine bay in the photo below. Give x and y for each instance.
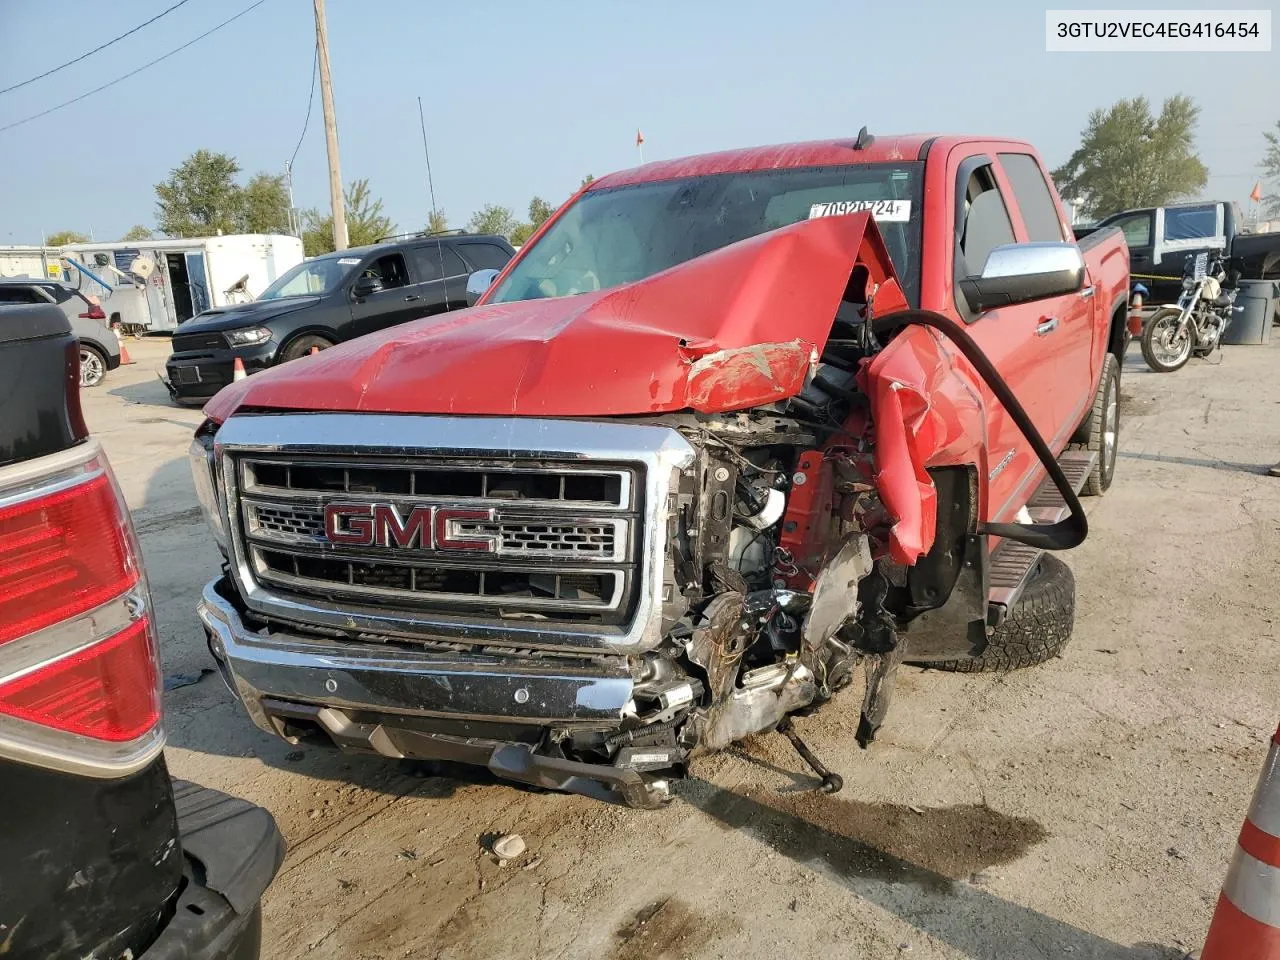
(780, 582)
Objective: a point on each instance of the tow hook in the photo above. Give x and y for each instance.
(831, 782)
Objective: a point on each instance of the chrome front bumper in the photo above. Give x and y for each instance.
(318, 671)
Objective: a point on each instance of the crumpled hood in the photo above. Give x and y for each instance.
(244, 314)
(736, 328)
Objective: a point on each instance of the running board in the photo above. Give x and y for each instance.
(1046, 504)
(1011, 564)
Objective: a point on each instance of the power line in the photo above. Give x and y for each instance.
(63, 66)
(315, 63)
(112, 83)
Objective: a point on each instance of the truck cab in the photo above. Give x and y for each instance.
(727, 427)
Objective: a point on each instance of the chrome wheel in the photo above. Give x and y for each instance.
(1162, 347)
(1110, 431)
(92, 369)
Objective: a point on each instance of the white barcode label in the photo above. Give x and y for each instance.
(883, 211)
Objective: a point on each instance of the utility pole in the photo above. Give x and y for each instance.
(330, 132)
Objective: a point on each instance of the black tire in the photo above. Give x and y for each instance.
(1103, 419)
(1148, 337)
(302, 346)
(1035, 630)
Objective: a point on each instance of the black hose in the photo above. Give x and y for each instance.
(1062, 535)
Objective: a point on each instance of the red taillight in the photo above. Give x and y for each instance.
(61, 555)
(107, 691)
(79, 669)
(94, 312)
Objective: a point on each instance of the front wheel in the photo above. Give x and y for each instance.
(1162, 348)
(303, 346)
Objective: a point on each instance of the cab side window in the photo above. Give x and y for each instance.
(389, 269)
(986, 223)
(1136, 229)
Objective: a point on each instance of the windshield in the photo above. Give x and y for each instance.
(311, 278)
(614, 236)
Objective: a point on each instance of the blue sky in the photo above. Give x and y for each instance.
(527, 98)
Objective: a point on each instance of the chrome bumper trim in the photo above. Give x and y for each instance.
(385, 678)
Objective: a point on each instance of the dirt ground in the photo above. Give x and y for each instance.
(1085, 808)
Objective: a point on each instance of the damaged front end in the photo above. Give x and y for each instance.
(587, 604)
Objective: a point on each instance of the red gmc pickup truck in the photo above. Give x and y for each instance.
(727, 428)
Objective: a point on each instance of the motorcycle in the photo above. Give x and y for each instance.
(1195, 325)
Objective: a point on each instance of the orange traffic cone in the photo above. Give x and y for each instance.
(1135, 316)
(124, 354)
(1246, 924)
(237, 369)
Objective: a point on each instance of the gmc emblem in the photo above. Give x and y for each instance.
(423, 528)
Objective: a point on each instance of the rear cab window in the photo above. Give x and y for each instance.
(1191, 223)
(484, 256)
(1031, 192)
(436, 261)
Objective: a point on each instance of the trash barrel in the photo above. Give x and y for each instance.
(1256, 307)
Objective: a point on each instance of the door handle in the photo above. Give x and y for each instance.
(1087, 292)
(412, 296)
(1047, 326)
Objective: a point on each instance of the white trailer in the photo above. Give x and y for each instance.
(155, 285)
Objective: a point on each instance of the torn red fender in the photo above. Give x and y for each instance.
(906, 432)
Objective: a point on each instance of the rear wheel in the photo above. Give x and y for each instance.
(304, 345)
(1036, 628)
(1162, 348)
(93, 366)
(1101, 431)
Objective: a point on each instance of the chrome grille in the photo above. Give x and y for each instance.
(564, 536)
(589, 539)
(584, 481)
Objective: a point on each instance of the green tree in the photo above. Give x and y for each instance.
(201, 197)
(63, 237)
(539, 211)
(585, 180)
(521, 233)
(137, 232)
(1127, 158)
(265, 205)
(437, 222)
(365, 222)
(1271, 170)
(492, 218)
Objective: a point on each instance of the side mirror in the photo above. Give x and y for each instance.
(478, 283)
(365, 286)
(1022, 272)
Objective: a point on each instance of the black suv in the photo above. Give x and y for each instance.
(328, 299)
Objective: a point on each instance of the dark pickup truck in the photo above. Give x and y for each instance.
(1161, 238)
(104, 855)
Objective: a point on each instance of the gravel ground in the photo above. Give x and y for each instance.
(1085, 808)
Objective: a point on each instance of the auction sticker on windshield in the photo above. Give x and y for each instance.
(883, 211)
(348, 261)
